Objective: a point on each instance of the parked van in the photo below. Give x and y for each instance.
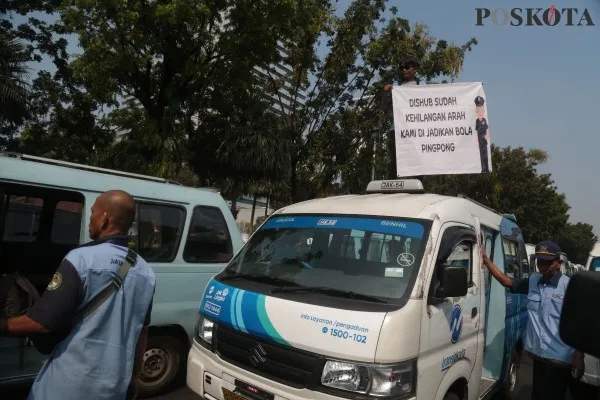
(530, 248)
(187, 236)
(591, 377)
(389, 300)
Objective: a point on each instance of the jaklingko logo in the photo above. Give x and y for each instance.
(551, 16)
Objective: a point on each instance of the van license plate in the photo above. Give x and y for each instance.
(229, 395)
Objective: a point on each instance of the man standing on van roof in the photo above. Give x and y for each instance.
(553, 360)
(101, 356)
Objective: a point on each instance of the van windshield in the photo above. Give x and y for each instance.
(363, 256)
(595, 264)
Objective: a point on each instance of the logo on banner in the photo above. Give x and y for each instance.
(456, 323)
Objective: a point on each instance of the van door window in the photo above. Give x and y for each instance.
(511, 259)
(489, 251)
(66, 224)
(525, 267)
(22, 218)
(156, 231)
(208, 239)
(462, 256)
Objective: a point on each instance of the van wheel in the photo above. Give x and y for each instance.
(512, 375)
(451, 396)
(160, 367)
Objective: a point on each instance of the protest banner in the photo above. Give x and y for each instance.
(441, 129)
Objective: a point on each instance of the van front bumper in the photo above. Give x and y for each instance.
(208, 375)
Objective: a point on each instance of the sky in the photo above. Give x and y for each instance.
(541, 84)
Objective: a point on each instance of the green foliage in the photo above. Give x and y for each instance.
(64, 126)
(577, 240)
(13, 88)
(328, 138)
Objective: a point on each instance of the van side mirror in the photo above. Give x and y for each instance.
(453, 282)
(576, 327)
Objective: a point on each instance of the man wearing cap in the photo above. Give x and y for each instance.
(408, 67)
(553, 360)
(481, 126)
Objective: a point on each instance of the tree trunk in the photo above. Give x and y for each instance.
(253, 210)
(294, 181)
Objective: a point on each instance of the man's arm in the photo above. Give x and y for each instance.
(55, 308)
(516, 285)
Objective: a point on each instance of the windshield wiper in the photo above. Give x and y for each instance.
(329, 292)
(260, 278)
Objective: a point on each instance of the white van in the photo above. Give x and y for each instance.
(592, 364)
(387, 301)
(530, 248)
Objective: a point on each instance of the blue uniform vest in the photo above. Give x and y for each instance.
(544, 305)
(96, 360)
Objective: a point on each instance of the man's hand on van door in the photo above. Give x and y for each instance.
(484, 257)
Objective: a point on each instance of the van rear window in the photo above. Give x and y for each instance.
(208, 239)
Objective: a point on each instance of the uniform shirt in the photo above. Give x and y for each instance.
(95, 359)
(544, 305)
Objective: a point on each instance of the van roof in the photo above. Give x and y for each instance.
(595, 252)
(47, 172)
(403, 205)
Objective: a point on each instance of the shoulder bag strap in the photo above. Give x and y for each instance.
(117, 282)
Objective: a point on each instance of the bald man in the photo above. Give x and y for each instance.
(100, 356)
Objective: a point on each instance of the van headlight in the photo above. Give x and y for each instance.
(204, 331)
(395, 380)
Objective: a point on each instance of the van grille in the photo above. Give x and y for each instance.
(289, 366)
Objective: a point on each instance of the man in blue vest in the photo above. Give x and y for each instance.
(553, 360)
(99, 357)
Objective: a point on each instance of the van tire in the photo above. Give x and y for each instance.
(161, 365)
(511, 382)
(451, 396)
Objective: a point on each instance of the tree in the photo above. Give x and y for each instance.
(63, 123)
(577, 240)
(361, 56)
(185, 64)
(13, 87)
(514, 187)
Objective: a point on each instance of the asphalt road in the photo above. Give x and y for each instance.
(183, 393)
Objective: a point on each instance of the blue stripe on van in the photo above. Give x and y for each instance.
(392, 226)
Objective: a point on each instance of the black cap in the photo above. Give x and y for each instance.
(479, 101)
(409, 61)
(546, 250)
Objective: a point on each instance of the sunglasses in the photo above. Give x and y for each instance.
(407, 66)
